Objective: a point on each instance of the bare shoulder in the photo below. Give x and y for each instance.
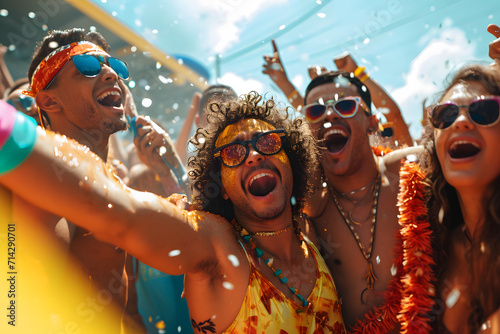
(216, 228)
(392, 161)
(316, 203)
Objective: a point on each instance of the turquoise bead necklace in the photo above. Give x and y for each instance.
(247, 237)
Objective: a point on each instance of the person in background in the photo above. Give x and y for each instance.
(197, 113)
(15, 97)
(159, 295)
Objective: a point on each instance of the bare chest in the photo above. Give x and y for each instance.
(360, 257)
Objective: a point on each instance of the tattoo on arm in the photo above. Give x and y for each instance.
(204, 327)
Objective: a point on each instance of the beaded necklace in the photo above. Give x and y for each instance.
(367, 254)
(306, 306)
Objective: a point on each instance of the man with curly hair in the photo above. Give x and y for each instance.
(247, 265)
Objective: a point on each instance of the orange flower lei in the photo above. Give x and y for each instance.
(415, 228)
(408, 297)
(380, 151)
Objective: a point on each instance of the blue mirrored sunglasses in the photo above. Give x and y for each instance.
(90, 66)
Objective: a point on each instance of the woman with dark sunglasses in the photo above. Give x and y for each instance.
(464, 201)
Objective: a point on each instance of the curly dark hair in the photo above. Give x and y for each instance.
(298, 143)
(58, 38)
(485, 253)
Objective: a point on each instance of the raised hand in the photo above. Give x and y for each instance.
(274, 68)
(494, 52)
(157, 150)
(345, 62)
(314, 71)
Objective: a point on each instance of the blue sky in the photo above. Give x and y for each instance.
(408, 46)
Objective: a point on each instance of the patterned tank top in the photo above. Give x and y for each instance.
(266, 309)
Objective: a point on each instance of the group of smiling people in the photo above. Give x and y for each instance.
(296, 224)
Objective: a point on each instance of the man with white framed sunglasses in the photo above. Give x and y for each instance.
(354, 208)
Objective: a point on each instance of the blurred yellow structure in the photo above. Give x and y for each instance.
(42, 290)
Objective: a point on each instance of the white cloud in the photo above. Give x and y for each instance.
(443, 54)
(225, 18)
(240, 85)
(299, 82)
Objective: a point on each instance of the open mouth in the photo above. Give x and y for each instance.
(335, 140)
(110, 99)
(463, 149)
(262, 184)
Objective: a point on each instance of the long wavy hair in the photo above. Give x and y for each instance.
(298, 143)
(485, 251)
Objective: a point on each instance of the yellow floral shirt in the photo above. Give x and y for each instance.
(266, 309)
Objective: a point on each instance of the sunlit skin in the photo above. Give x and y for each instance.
(470, 176)
(353, 167)
(71, 103)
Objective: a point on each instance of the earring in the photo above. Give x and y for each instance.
(441, 215)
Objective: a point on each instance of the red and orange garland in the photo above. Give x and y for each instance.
(408, 297)
(380, 151)
(415, 229)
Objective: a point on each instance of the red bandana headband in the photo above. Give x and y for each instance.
(54, 62)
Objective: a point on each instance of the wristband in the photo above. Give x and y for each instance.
(364, 77)
(359, 70)
(20, 142)
(361, 74)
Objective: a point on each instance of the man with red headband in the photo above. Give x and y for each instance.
(76, 85)
(248, 267)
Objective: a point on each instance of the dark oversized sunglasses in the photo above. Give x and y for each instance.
(235, 153)
(90, 66)
(345, 108)
(483, 112)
